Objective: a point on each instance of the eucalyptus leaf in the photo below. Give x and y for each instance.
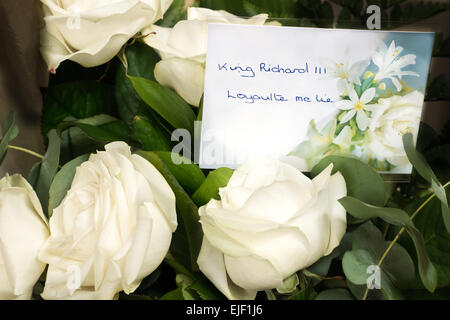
(400, 218)
(362, 181)
(355, 264)
(424, 169)
(396, 271)
(427, 271)
(33, 175)
(9, 132)
(436, 239)
(417, 159)
(48, 168)
(362, 210)
(335, 294)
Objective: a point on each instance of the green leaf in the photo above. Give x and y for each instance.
(166, 103)
(187, 239)
(210, 188)
(9, 132)
(322, 266)
(33, 175)
(436, 239)
(362, 181)
(289, 285)
(440, 194)
(335, 294)
(424, 169)
(427, 271)
(307, 293)
(108, 132)
(200, 283)
(417, 159)
(184, 282)
(176, 12)
(102, 128)
(187, 173)
(48, 168)
(141, 61)
(397, 269)
(362, 210)
(80, 99)
(176, 294)
(400, 218)
(355, 264)
(62, 182)
(150, 135)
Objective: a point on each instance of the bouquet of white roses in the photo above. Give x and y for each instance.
(111, 211)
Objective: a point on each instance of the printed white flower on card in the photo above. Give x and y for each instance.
(344, 71)
(358, 106)
(323, 141)
(390, 64)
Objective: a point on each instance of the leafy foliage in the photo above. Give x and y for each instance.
(9, 132)
(85, 108)
(77, 100)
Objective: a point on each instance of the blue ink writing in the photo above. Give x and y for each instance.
(318, 99)
(246, 72)
(251, 98)
(277, 69)
(302, 99)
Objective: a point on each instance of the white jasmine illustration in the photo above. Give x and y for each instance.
(371, 119)
(390, 64)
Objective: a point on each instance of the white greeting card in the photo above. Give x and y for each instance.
(304, 92)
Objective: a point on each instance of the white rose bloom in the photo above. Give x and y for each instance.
(397, 115)
(271, 222)
(183, 50)
(112, 229)
(23, 230)
(91, 32)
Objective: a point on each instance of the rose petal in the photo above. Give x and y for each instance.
(211, 263)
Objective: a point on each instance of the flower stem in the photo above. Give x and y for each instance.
(40, 156)
(309, 274)
(401, 232)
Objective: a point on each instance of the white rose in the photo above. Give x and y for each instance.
(397, 116)
(112, 229)
(91, 32)
(271, 222)
(183, 50)
(23, 230)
